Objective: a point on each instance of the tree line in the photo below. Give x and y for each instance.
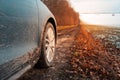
(63, 12)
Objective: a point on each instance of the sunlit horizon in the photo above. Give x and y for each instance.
(101, 19)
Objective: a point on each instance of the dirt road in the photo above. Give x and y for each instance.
(60, 69)
(82, 54)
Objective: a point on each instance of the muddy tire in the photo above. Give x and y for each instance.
(48, 47)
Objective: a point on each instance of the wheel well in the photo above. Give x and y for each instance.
(51, 20)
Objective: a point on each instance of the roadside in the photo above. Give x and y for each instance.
(93, 58)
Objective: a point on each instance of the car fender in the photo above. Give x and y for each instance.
(44, 15)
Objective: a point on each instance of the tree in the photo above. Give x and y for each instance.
(63, 12)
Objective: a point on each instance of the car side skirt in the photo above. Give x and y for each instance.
(18, 66)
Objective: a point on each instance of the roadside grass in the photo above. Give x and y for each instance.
(59, 28)
(92, 59)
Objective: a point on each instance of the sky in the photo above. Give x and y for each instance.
(96, 6)
(98, 11)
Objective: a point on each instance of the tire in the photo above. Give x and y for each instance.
(48, 47)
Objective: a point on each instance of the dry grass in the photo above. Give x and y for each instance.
(65, 27)
(92, 59)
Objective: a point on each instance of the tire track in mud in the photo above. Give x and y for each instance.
(60, 69)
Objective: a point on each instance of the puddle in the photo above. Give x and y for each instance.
(117, 44)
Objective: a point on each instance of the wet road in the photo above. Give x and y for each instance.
(61, 65)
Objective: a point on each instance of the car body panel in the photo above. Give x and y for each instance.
(18, 28)
(46, 16)
(22, 23)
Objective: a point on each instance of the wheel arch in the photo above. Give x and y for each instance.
(42, 29)
(51, 20)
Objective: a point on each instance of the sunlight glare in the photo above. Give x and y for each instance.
(98, 12)
(101, 19)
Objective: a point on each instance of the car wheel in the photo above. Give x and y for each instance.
(48, 46)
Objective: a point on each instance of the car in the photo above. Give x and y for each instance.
(28, 37)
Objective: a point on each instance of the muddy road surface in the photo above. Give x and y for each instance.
(83, 53)
(61, 66)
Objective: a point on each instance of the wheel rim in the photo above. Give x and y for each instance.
(50, 44)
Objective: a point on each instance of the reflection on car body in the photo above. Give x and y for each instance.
(25, 28)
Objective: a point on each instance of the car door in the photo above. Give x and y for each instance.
(18, 28)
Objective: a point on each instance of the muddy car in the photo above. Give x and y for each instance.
(27, 36)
